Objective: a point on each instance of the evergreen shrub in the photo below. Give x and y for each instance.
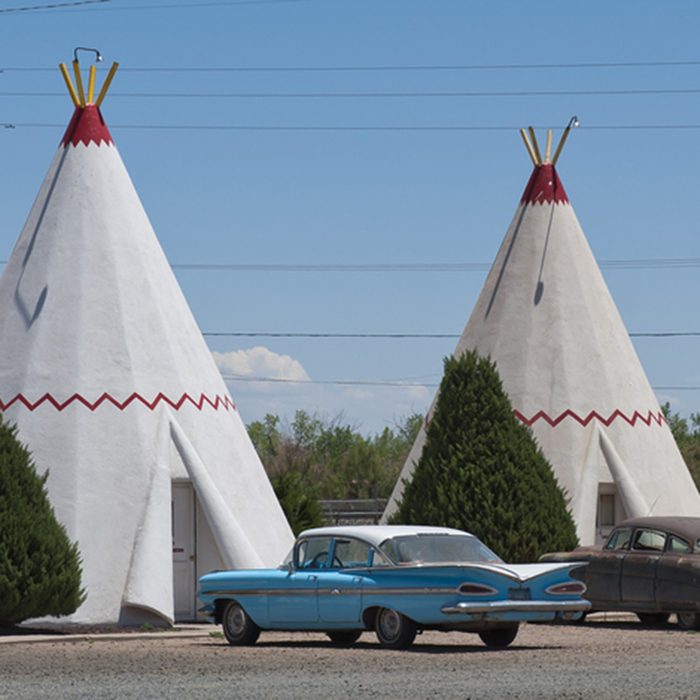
(39, 567)
(482, 471)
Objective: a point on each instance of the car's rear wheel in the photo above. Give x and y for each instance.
(239, 629)
(499, 637)
(688, 620)
(344, 638)
(653, 619)
(394, 630)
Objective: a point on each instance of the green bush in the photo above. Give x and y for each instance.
(39, 567)
(482, 471)
(302, 509)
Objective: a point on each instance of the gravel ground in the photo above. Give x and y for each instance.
(594, 660)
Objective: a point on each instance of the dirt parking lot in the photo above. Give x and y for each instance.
(597, 659)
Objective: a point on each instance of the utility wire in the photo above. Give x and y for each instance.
(382, 68)
(292, 334)
(59, 6)
(621, 264)
(380, 94)
(356, 128)
(51, 6)
(384, 382)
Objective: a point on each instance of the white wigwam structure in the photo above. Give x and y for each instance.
(113, 388)
(546, 317)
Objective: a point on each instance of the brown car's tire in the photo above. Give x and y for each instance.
(688, 620)
(499, 637)
(394, 630)
(239, 629)
(653, 619)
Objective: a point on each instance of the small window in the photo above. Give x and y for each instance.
(620, 539)
(678, 545)
(350, 553)
(378, 559)
(649, 541)
(313, 553)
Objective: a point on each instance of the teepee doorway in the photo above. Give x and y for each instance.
(184, 529)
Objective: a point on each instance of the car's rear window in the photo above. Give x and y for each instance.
(649, 540)
(437, 549)
(678, 545)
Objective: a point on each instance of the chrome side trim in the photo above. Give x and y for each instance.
(312, 590)
(500, 606)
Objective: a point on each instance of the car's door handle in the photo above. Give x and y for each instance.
(335, 591)
(312, 578)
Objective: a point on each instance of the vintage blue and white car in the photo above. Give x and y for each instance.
(395, 579)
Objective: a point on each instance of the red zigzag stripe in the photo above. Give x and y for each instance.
(224, 402)
(593, 415)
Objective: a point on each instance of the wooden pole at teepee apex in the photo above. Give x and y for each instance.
(528, 145)
(107, 83)
(69, 84)
(534, 145)
(573, 122)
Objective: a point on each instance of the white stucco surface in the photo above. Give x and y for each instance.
(114, 390)
(546, 317)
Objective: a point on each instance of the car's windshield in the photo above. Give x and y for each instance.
(437, 548)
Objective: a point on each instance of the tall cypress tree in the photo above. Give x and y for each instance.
(39, 567)
(482, 471)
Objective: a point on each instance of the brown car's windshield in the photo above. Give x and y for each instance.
(437, 549)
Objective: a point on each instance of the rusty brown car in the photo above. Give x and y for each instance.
(648, 566)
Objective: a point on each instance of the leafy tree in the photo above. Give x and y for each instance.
(298, 503)
(482, 471)
(686, 431)
(39, 567)
(333, 460)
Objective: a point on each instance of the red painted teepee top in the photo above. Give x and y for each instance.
(544, 186)
(87, 126)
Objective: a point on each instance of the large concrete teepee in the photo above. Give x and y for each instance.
(547, 318)
(106, 374)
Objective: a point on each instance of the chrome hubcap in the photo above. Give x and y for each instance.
(389, 623)
(235, 620)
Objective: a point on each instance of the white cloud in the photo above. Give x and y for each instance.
(368, 409)
(260, 362)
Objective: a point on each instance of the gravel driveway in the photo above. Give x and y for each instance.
(593, 660)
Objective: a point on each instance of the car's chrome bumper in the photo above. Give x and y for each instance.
(504, 606)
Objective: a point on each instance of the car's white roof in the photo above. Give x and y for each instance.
(376, 534)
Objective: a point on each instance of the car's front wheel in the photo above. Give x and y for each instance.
(499, 637)
(344, 638)
(688, 620)
(394, 630)
(653, 619)
(239, 629)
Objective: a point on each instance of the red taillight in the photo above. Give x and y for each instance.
(476, 589)
(570, 588)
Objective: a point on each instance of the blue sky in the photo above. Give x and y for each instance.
(318, 197)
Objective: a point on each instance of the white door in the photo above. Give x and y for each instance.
(184, 548)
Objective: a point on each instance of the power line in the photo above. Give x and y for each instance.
(385, 382)
(379, 94)
(356, 128)
(588, 65)
(51, 6)
(620, 264)
(293, 334)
